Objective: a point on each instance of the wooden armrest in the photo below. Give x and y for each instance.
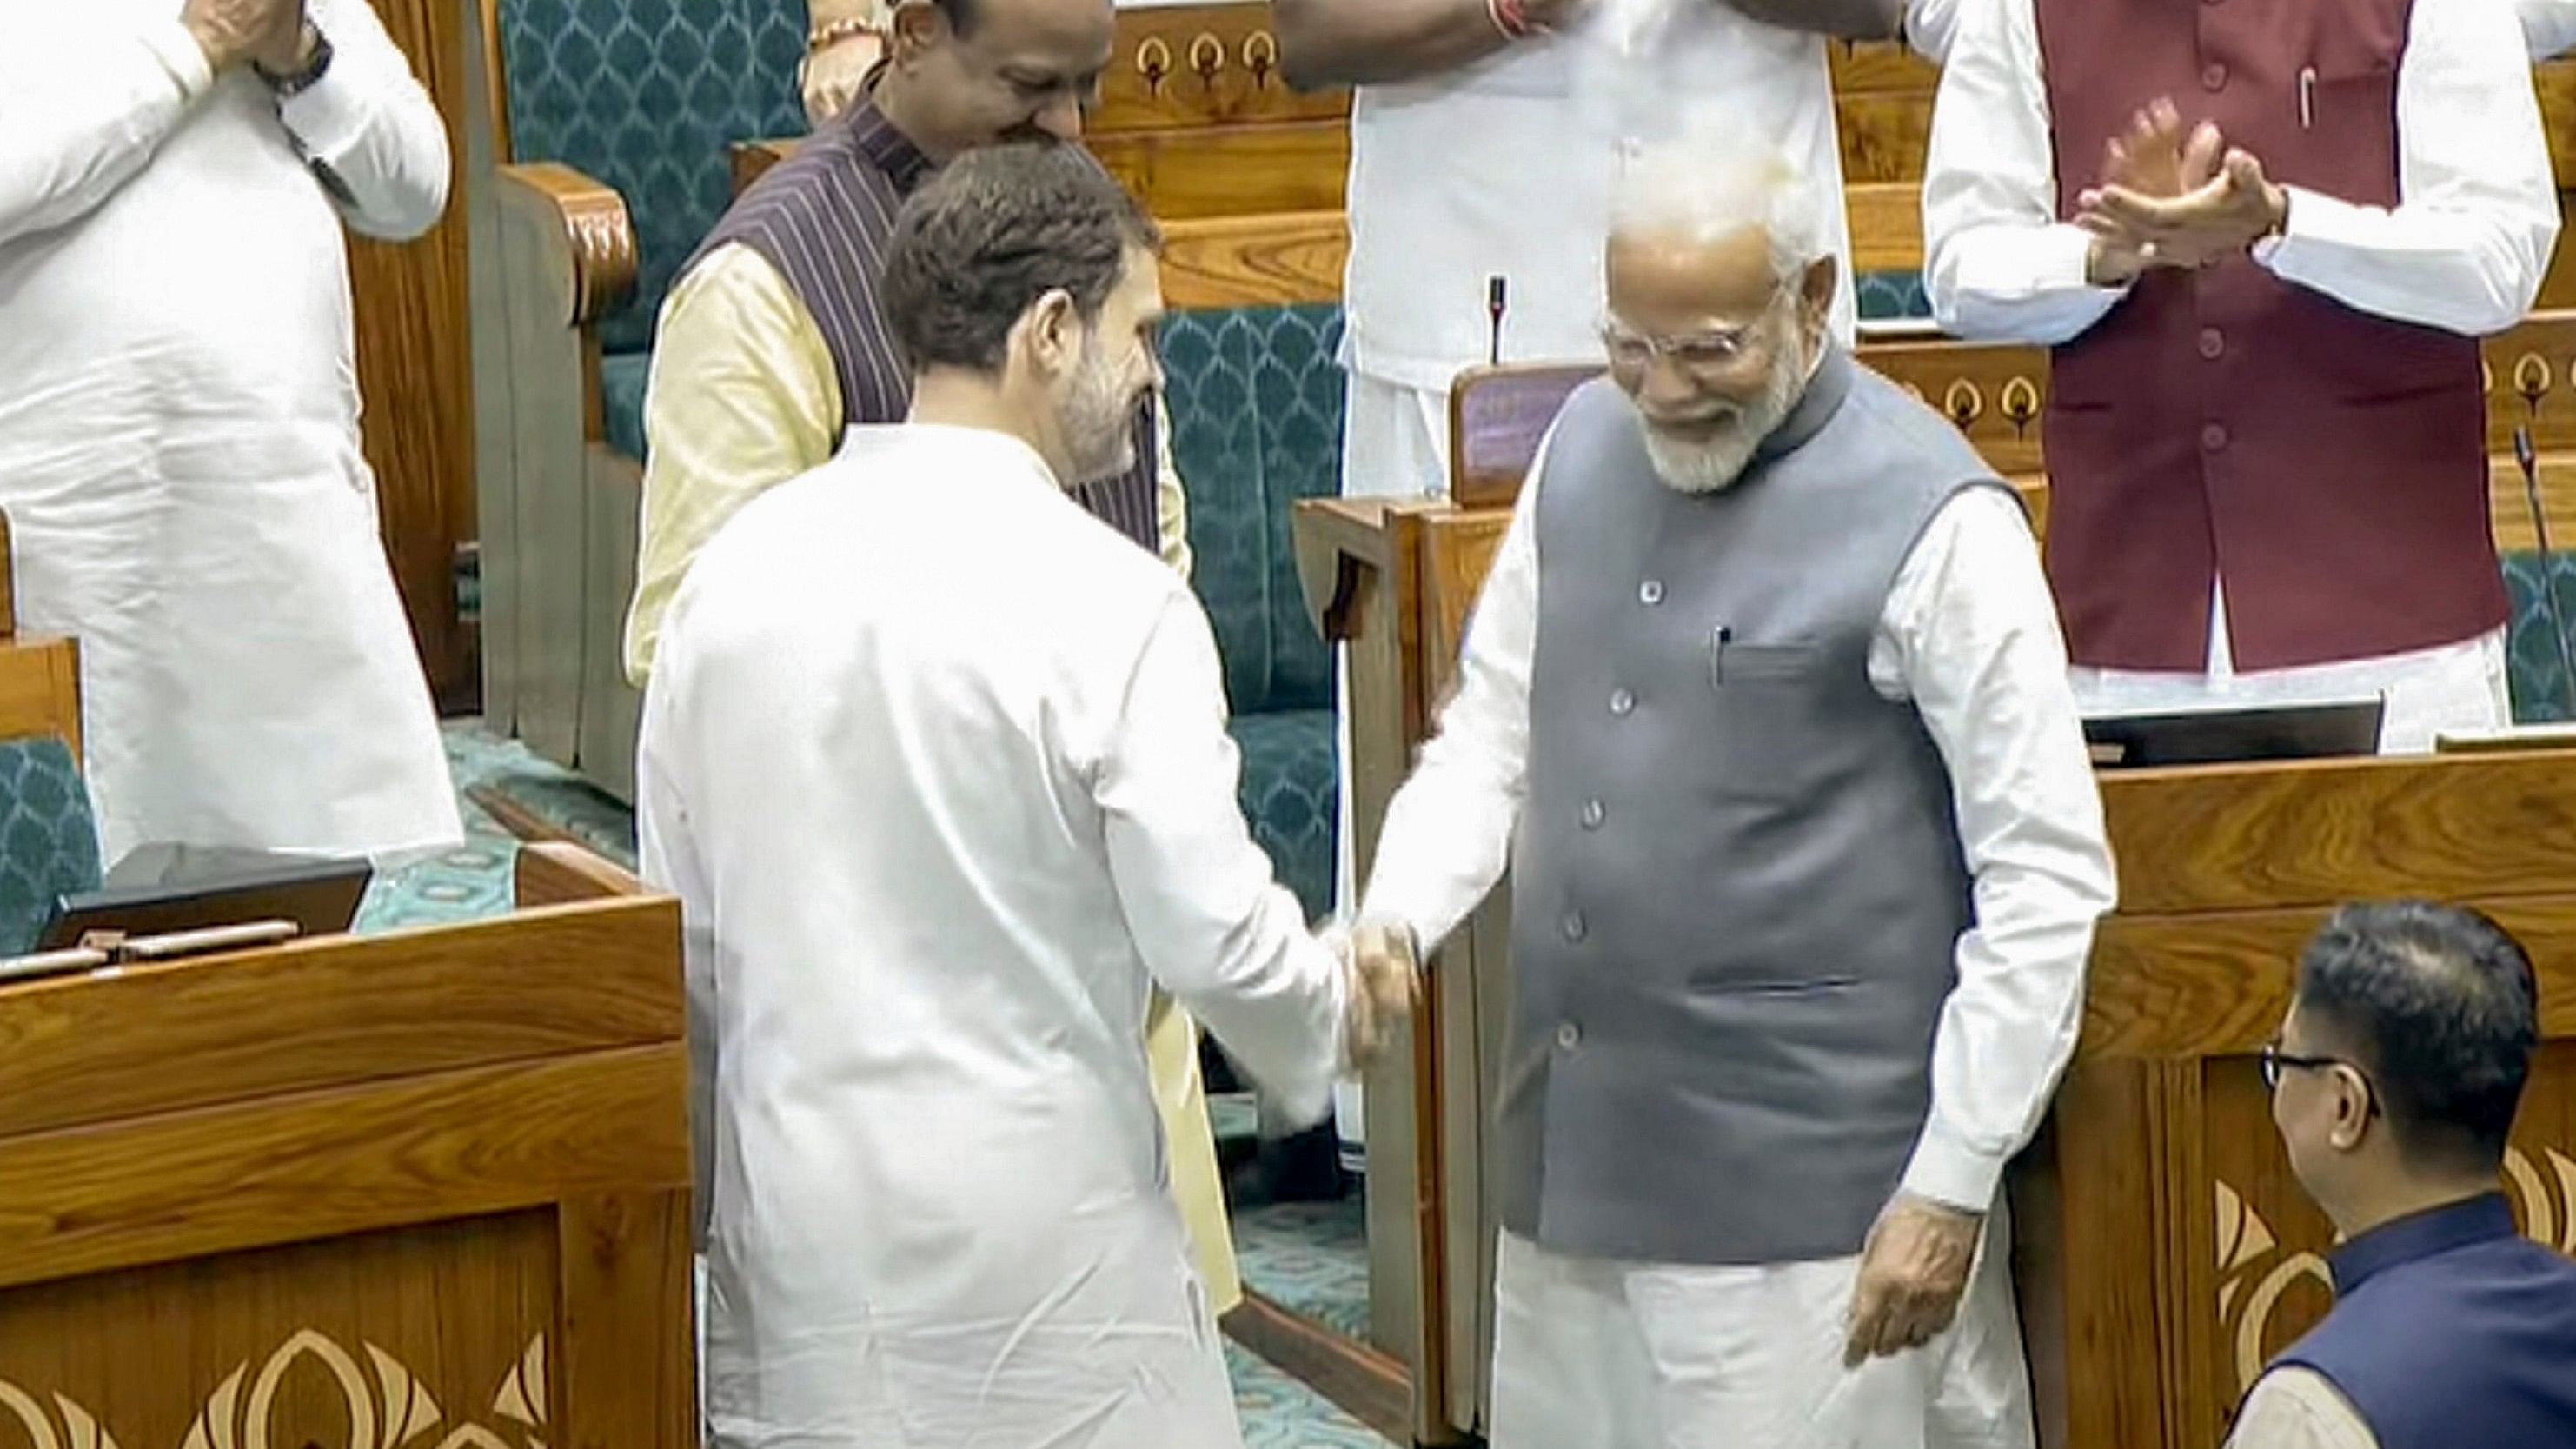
(556, 872)
(1338, 541)
(598, 257)
(751, 160)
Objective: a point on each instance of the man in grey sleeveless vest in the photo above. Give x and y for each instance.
(1766, 705)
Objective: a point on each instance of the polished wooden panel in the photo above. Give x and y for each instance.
(76, 1052)
(40, 690)
(1297, 166)
(1362, 1382)
(1497, 415)
(1187, 66)
(415, 372)
(554, 873)
(1254, 261)
(471, 1245)
(277, 1170)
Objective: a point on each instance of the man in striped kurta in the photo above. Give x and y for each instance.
(774, 342)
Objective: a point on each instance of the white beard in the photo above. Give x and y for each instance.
(1708, 467)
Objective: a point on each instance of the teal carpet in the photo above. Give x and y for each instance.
(473, 882)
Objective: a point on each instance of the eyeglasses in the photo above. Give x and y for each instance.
(1632, 351)
(2274, 1061)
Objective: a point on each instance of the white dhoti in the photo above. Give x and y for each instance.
(1599, 1354)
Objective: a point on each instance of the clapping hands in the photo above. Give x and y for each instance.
(2171, 197)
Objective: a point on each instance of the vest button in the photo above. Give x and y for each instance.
(1573, 926)
(2214, 437)
(2213, 76)
(2212, 342)
(1651, 592)
(1568, 1037)
(1593, 812)
(1621, 701)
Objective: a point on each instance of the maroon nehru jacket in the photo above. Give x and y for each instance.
(2329, 464)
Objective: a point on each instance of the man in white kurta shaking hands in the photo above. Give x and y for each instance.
(936, 762)
(179, 451)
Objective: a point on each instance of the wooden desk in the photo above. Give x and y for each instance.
(2163, 1250)
(425, 1189)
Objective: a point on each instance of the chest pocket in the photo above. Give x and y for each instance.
(1766, 704)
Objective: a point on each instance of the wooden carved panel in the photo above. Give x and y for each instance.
(2271, 1243)
(1201, 65)
(433, 1338)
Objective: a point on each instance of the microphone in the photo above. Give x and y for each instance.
(2529, 458)
(1495, 305)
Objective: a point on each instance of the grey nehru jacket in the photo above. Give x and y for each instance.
(1738, 883)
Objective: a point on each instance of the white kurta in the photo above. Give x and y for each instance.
(179, 425)
(2463, 251)
(936, 762)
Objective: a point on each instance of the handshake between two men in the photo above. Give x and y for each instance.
(1385, 971)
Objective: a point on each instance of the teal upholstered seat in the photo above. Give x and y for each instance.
(1256, 401)
(48, 838)
(647, 96)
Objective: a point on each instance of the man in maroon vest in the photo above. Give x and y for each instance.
(2262, 236)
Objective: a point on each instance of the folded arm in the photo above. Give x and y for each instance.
(81, 113)
(368, 123)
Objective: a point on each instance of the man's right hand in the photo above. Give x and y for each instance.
(2154, 157)
(231, 32)
(1385, 985)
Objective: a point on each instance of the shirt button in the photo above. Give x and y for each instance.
(2212, 342)
(1573, 926)
(1621, 701)
(1593, 811)
(1568, 1036)
(2213, 437)
(1651, 592)
(2213, 77)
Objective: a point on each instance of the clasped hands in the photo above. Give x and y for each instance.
(2171, 197)
(270, 34)
(1385, 985)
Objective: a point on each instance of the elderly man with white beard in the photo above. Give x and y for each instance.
(1765, 705)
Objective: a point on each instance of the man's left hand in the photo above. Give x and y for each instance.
(2231, 212)
(288, 46)
(1912, 1273)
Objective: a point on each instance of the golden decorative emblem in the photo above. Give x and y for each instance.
(2532, 377)
(1153, 62)
(1964, 402)
(1207, 56)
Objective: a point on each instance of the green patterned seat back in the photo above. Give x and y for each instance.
(647, 96)
(2532, 665)
(48, 838)
(1256, 400)
(1888, 296)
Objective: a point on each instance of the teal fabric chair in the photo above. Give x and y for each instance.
(648, 96)
(1256, 400)
(2532, 665)
(48, 837)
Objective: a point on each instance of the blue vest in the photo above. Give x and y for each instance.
(2450, 1328)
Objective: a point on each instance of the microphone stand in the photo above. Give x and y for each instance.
(1495, 302)
(2529, 458)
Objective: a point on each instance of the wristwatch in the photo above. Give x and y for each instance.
(287, 87)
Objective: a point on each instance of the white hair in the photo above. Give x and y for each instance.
(1708, 188)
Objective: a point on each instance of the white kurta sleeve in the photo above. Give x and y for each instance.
(667, 858)
(371, 125)
(2548, 26)
(2477, 212)
(1970, 635)
(2296, 1408)
(81, 114)
(1997, 261)
(1214, 927)
(1448, 832)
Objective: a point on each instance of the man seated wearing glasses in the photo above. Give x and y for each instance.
(2394, 1082)
(1765, 703)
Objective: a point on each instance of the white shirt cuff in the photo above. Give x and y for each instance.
(1948, 1171)
(2314, 217)
(330, 116)
(179, 54)
(2063, 256)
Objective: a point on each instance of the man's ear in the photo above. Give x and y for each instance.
(1049, 334)
(2352, 1108)
(915, 26)
(1816, 289)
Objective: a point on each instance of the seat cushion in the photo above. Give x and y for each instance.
(2532, 664)
(48, 838)
(648, 96)
(1287, 795)
(1891, 296)
(622, 376)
